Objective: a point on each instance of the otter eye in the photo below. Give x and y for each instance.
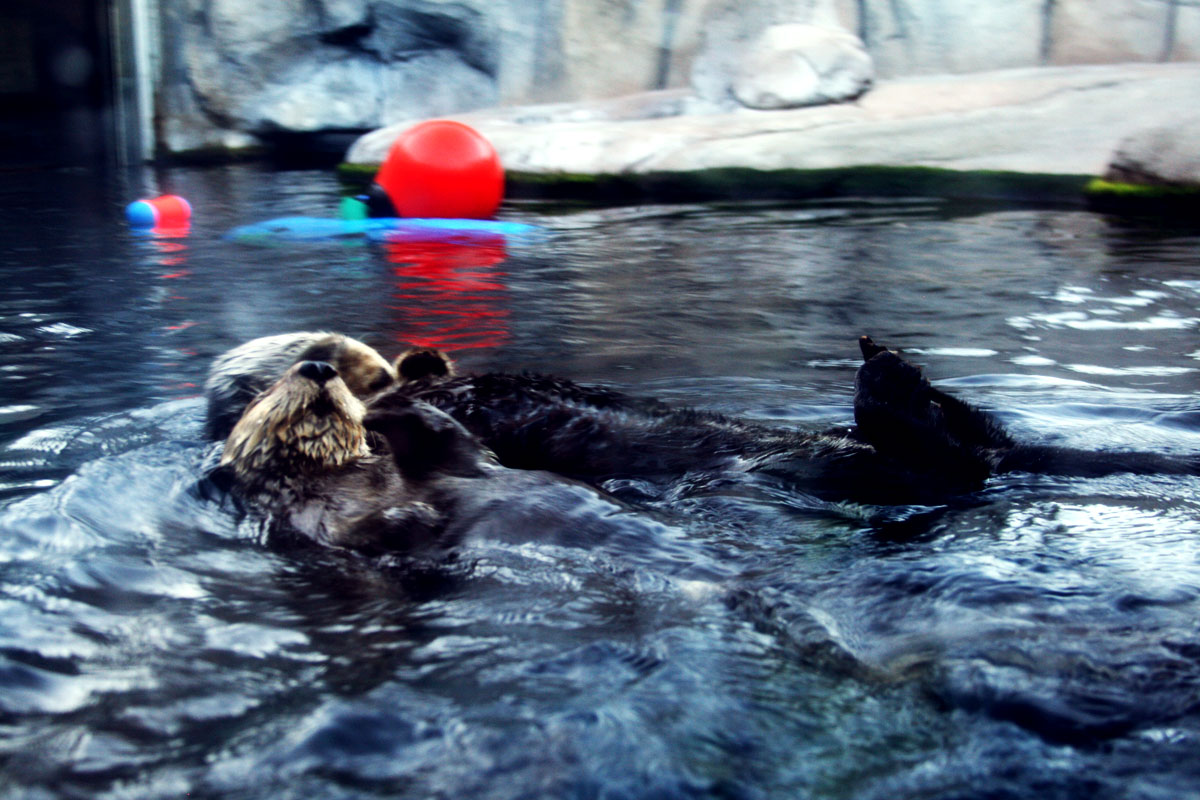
(325, 349)
(382, 381)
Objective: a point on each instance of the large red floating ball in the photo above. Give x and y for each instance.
(445, 169)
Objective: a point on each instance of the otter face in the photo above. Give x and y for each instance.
(308, 420)
(241, 374)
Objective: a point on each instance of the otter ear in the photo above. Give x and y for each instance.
(227, 407)
(868, 347)
(423, 440)
(413, 365)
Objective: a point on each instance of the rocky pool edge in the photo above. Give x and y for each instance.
(734, 184)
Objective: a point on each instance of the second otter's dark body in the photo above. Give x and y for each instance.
(912, 442)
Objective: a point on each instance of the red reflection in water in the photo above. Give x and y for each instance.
(177, 230)
(449, 295)
(168, 254)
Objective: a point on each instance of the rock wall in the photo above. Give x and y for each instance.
(236, 71)
(908, 37)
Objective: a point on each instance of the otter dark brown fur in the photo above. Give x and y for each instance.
(593, 434)
(418, 363)
(299, 456)
(312, 461)
(905, 418)
(239, 375)
(912, 442)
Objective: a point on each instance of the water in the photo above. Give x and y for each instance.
(1039, 639)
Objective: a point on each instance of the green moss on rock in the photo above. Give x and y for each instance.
(1109, 195)
(1100, 186)
(738, 183)
(356, 177)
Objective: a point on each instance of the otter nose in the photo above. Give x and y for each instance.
(317, 371)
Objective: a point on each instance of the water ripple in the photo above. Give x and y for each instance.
(743, 639)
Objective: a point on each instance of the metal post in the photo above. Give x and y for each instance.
(135, 48)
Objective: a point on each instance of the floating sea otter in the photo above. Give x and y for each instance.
(299, 454)
(913, 443)
(309, 457)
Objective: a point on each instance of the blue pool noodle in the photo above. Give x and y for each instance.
(316, 229)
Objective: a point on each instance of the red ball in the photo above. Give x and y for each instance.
(445, 169)
(173, 210)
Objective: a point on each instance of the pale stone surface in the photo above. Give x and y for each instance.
(1104, 31)
(1039, 120)
(915, 37)
(791, 66)
(1185, 33)
(1166, 155)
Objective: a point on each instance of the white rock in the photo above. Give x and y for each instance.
(790, 66)
(1054, 120)
(240, 65)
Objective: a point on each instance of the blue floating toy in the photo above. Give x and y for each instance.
(355, 225)
(141, 214)
(381, 229)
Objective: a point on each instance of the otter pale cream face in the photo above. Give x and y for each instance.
(309, 418)
(238, 376)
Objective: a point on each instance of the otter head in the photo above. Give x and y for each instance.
(308, 421)
(241, 374)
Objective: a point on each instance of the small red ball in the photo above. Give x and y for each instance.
(443, 169)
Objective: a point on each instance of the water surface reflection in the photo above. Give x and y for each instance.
(449, 295)
(1038, 638)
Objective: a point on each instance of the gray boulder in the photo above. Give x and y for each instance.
(1109, 31)
(1167, 155)
(923, 37)
(241, 69)
(790, 66)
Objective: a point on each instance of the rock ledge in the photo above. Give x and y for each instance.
(1054, 121)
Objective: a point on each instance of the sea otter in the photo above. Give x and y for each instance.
(912, 443)
(239, 375)
(299, 456)
(311, 460)
(593, 433)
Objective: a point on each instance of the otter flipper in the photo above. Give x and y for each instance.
(868, 347)
(900, 414)
(903, 416)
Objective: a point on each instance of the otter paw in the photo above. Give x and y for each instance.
(418, 364)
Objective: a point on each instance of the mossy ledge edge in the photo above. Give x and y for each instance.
(741, 183)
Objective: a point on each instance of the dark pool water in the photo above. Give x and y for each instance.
(1039, 639)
